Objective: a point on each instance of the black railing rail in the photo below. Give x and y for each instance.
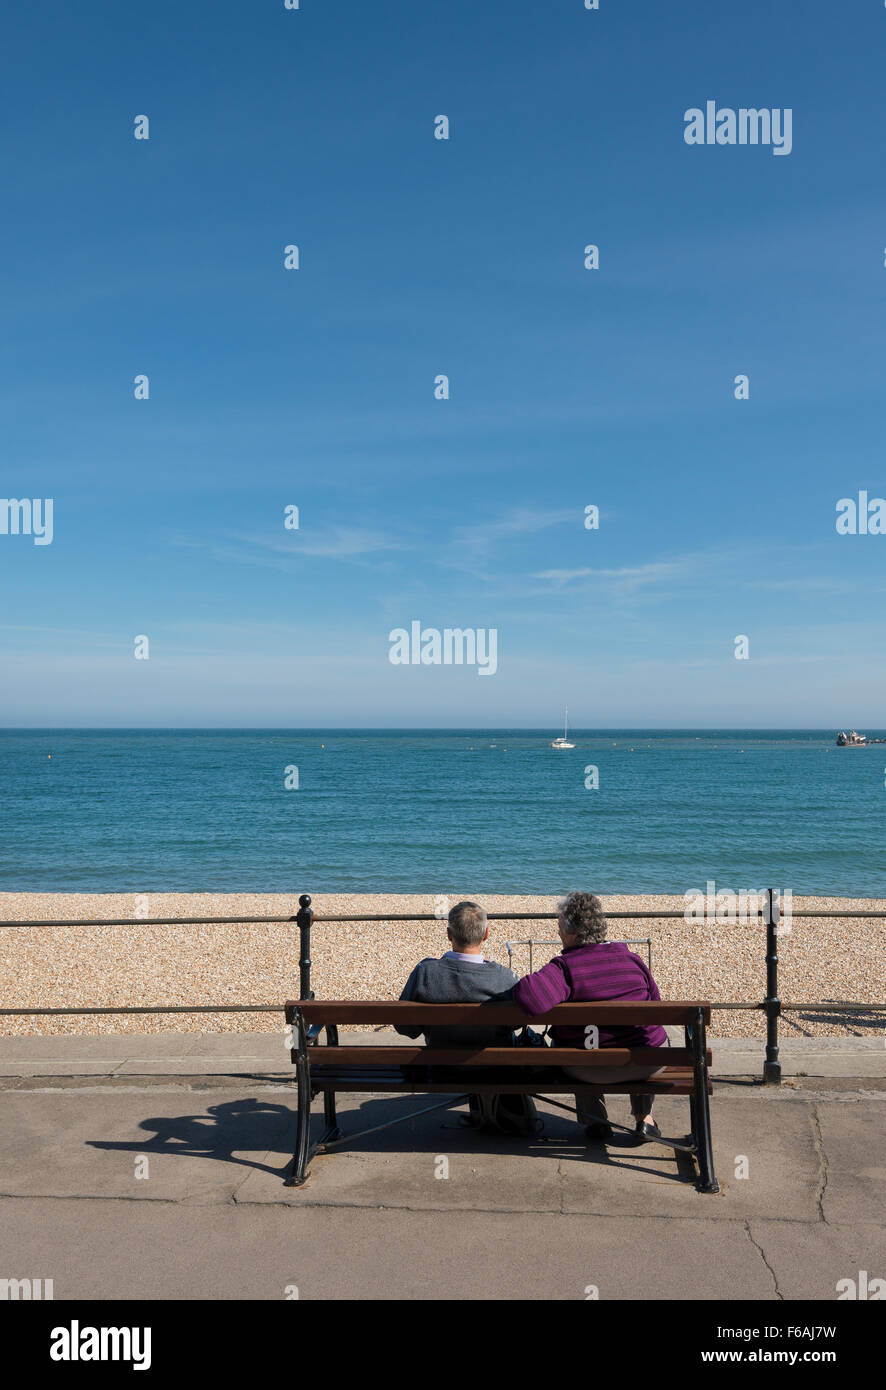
(281, 917)
(150, 921)
(65, 1009)
(150, 1009)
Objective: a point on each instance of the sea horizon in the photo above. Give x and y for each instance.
(824, 731)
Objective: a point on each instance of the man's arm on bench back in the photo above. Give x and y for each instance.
(409, 993)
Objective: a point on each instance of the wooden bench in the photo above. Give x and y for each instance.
(330, 1068)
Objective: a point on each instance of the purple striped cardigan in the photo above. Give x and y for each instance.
(607, 970)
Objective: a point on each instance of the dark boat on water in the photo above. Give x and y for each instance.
(854, 740)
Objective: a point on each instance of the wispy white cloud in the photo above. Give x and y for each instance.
(333, 543)
(471, 548)
(519, 521)
(627, 576)
(286, 552)
(809, 584)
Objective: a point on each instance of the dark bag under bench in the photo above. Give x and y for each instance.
(536, 1071)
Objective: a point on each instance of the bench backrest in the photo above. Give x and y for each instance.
(386, 1011)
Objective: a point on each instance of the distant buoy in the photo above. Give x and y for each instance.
(49, 755)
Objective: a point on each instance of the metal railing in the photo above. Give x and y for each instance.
(305, 918)
(533, 941)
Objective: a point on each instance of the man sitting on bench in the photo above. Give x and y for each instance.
(590, 967)
(462, 975)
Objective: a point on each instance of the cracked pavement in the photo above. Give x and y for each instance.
(168, 1186)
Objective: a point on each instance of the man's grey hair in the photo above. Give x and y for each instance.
(467, 922)
(583, 915)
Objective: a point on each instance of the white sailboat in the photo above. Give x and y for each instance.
(564, 741)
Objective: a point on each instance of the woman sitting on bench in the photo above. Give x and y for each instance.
(590, 967)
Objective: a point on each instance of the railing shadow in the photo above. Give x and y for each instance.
(850, 1015)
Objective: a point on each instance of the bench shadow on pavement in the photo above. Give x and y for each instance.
(248, 1131)
(231, 1132)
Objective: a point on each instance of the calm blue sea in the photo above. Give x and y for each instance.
(479, 811)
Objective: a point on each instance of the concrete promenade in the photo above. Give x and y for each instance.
(151, 1167)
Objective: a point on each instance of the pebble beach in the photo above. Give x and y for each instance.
(143, 963)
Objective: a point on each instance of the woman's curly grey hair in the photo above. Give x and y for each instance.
(582, 914)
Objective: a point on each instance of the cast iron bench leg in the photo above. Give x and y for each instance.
(702, 1109)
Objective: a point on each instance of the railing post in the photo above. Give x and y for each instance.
(304, 917)
(772, 1066)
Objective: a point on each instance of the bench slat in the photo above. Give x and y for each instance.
(507, 1015)
(676, 1082)
(501, 1056)
(371, 1073)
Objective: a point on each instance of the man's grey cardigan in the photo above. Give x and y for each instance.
(449, 981)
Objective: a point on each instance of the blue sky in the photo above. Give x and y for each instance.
(314, 387)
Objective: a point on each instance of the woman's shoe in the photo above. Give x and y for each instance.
(645, 1133)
